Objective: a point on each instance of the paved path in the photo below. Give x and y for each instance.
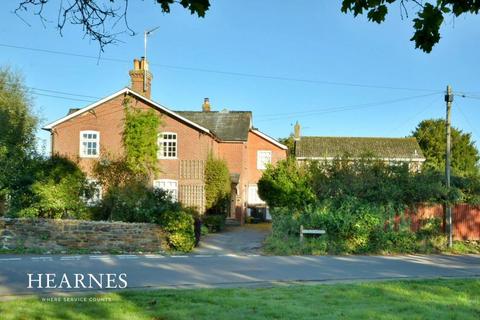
(235, 240)
(232, 270)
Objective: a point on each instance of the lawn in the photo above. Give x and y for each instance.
(426, 299)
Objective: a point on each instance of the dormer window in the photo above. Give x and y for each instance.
(167, 145)
(89, 144)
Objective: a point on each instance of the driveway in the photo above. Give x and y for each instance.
(156, 271)
(247, 239)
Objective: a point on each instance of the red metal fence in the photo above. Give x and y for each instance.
(466, 219)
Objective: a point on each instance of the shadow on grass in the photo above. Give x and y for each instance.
(431, 299)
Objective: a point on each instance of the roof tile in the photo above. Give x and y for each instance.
(334, 147)
(226, 125)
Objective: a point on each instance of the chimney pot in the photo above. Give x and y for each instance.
(206, 105)
(139, 75)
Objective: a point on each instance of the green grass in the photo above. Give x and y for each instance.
(427, 299)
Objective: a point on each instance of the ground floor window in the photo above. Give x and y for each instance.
(171, 186)
(252, 195)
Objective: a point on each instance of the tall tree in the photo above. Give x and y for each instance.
(429, 15)
(17, 130)
(431, 134)
(98, 18)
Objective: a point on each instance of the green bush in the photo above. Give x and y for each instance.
(180, 228)
(214, 223)
(217, 186)
(352, 227)
(286, 185)
(356, 202)
(136, 202)
(51, 188)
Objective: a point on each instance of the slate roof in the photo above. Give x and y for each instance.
(226, 125)
(333, 147)
(72, 110)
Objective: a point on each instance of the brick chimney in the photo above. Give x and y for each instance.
(141, 78)
(206, 105)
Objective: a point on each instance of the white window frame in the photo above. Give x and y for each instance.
(261, 164)
(98, 194)
(160, 142)
(252, 195)
(172, 191)
(82, 140)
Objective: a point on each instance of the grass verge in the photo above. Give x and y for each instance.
(426, 299)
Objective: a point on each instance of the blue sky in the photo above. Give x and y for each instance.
(303, 40)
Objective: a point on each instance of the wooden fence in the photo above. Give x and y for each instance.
(466, 219)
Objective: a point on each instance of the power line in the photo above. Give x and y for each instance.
(342, 108)
(63, 92)
(468, 96)
(59, 97)
(223, 72)
(467, 121)
(427, 107)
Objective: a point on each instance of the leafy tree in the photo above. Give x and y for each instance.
(217, 186)
(17, 131)
(431, 134)
(97, 17)
(429, 15)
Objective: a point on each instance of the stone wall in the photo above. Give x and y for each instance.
(67, 235)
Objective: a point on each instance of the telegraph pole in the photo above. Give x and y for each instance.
(448, 155)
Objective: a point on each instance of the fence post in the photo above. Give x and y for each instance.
(301, 233)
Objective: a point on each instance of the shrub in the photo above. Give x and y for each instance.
(51, 188)
(180, 228)
(217, 186)
(111, 172)
(138, 203)
(135, 202)
(286, 185)
(356, 201)
(214, 223)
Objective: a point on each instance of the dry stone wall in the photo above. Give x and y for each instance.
(64, 235)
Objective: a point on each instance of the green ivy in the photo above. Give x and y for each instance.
(140, 139)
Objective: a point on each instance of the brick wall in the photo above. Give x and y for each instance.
(257, 143)
(63, 235)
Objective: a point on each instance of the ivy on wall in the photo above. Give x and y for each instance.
(140, 139)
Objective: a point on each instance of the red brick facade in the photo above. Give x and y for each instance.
(193, 144)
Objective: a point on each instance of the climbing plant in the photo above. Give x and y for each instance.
(140, 139)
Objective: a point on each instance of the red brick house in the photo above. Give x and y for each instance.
(185, 140)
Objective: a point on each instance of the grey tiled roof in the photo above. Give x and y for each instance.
(326, 147)
(226, 125)
(72, 110)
